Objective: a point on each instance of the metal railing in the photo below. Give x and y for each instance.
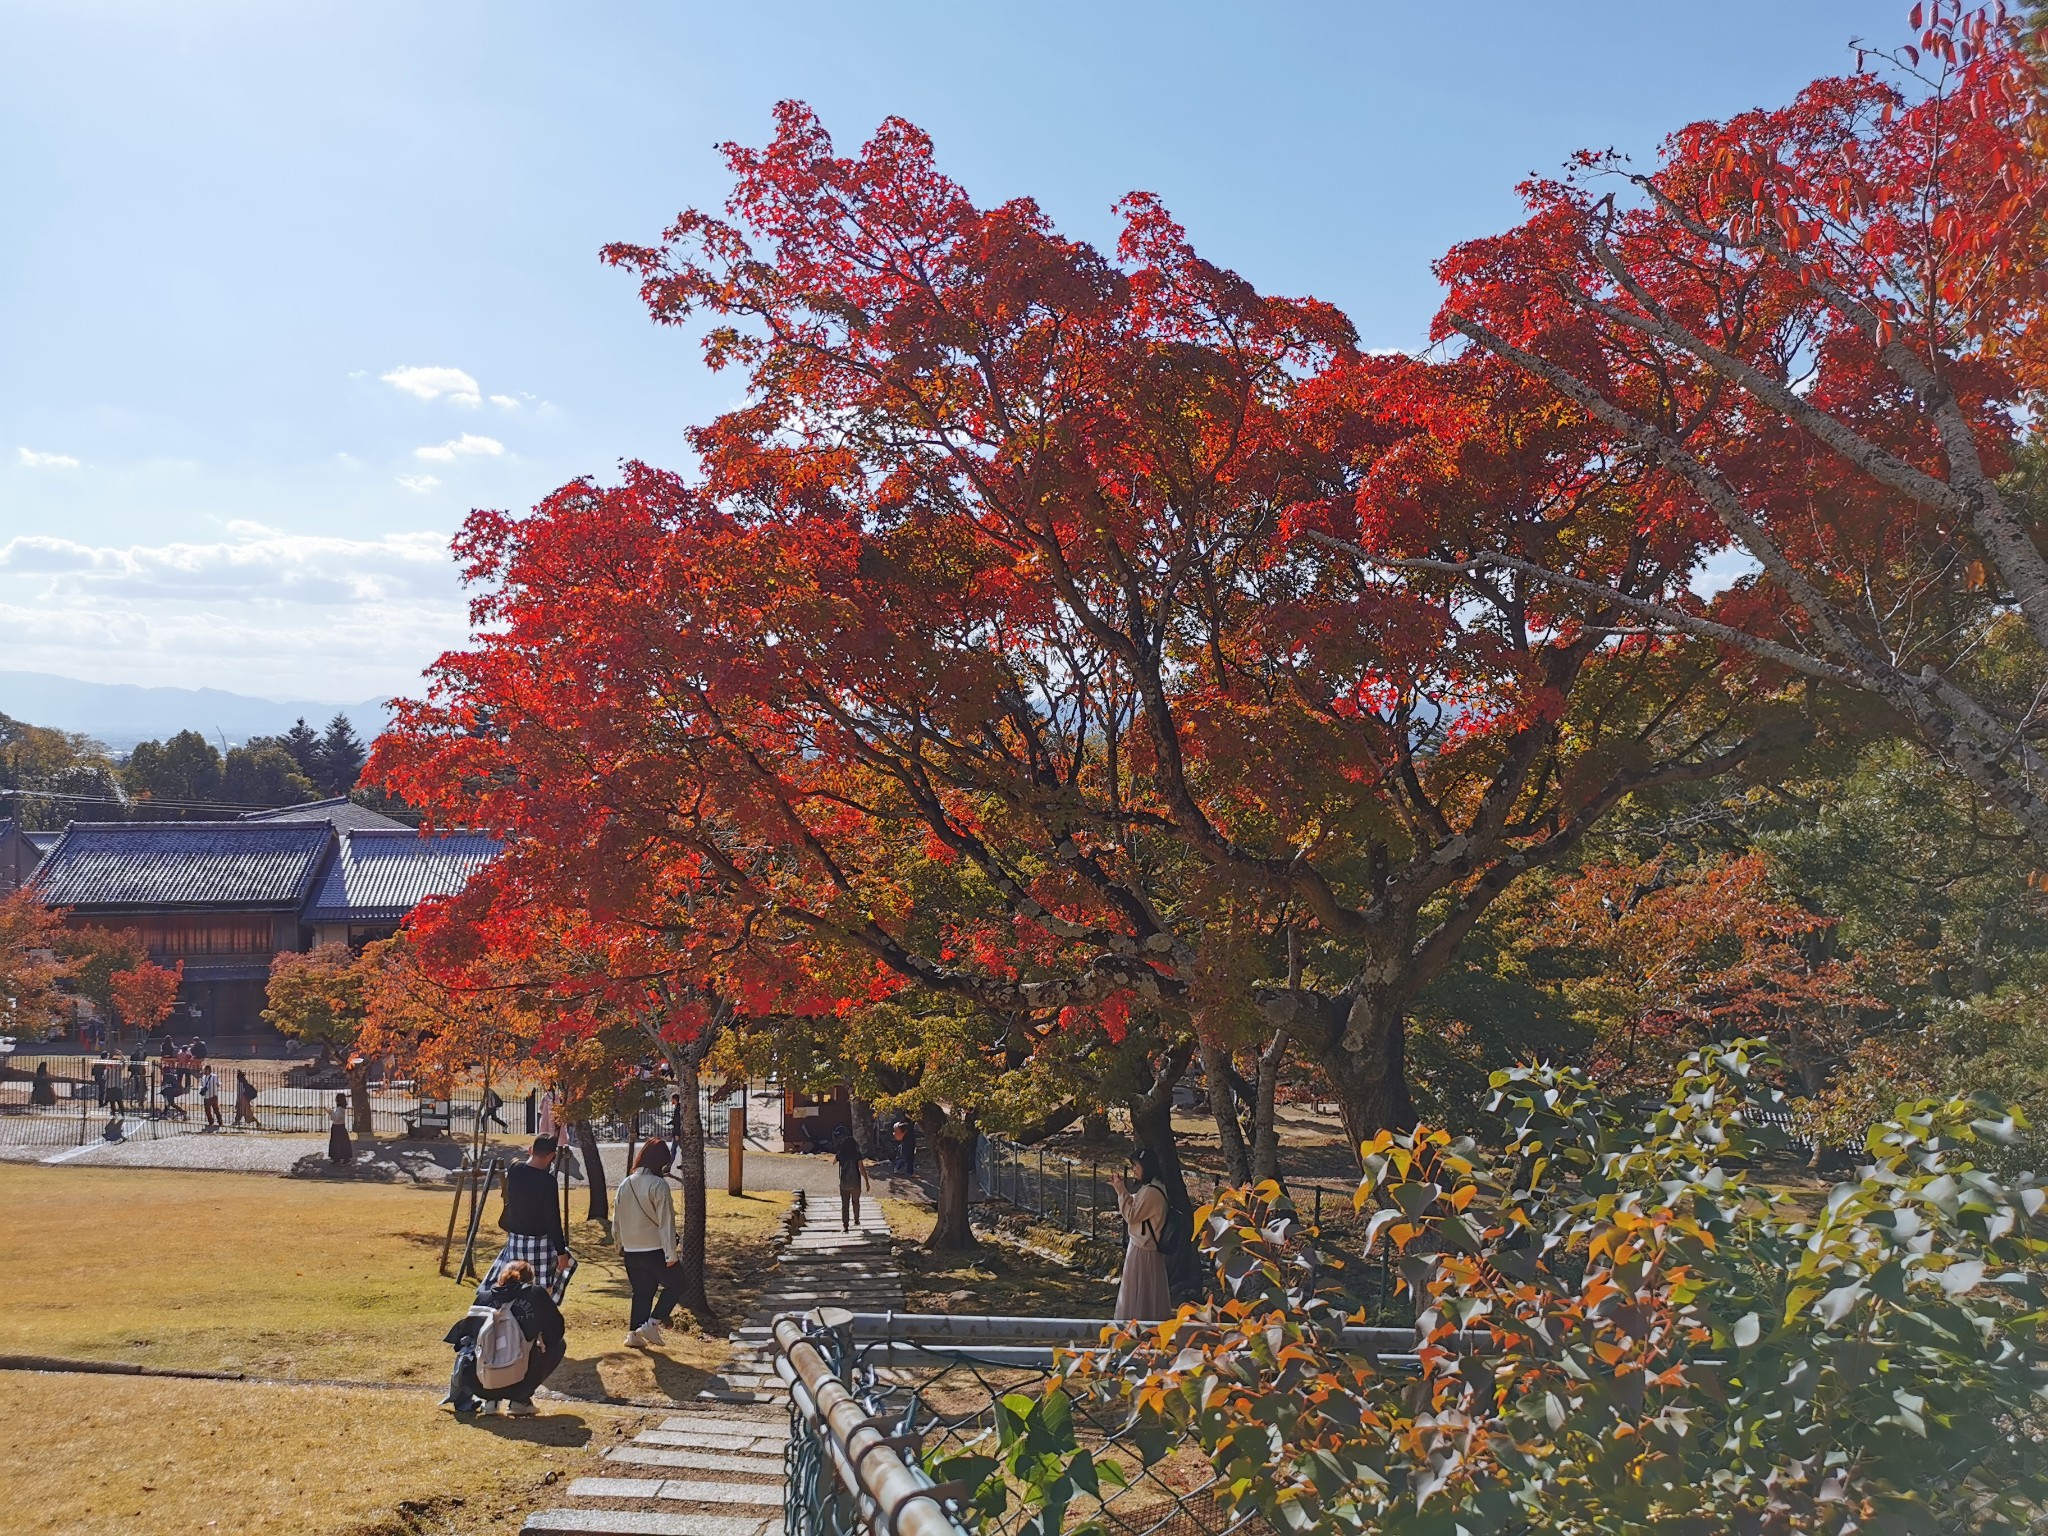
(880, 1401)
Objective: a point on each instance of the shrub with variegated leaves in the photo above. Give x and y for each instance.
(1620, 1329)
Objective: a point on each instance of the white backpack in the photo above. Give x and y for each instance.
(502, 1348)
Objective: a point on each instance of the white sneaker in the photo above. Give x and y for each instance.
(518, 1410)
(651, 1332)
(635, 1340)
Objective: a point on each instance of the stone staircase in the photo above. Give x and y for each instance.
(820, 1266)
(716, 1473)
(717, 1469)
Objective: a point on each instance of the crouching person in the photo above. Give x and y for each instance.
(511, 1342)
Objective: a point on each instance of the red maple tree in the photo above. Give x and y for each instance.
(992, 571)
(1814, 331)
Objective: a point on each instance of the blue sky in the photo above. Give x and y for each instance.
(285, 289)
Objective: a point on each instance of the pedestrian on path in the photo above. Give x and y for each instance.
(853, 1178)
(906, 1148)
(340, 1150)
(531, 1220)
(1144, 1295)
(646, 1217)
(209, 1099)
(42, 1092)
(113, 1095)
(544, 1114)
(491, 1105)
(245, 1099)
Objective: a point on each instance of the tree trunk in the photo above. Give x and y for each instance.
(1365, 1057)
(952, 1138)
(1265, 1109)
(1237, 1159)
(593, 1169)
(689, 1168)
(862, 1113)
(1095, 1127)
(359, 1098)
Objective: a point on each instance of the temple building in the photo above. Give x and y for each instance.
(225, 897)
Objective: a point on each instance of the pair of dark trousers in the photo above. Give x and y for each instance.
(464, 1392)
(849, 1205)
(655, 1284)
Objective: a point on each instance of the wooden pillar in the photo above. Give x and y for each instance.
(735, 1148)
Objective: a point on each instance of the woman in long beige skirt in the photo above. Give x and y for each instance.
(1144, 1295)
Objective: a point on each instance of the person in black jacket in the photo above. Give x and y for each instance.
(532, 1223)
(538, 1318)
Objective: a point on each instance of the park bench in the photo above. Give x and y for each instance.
(430, 1118)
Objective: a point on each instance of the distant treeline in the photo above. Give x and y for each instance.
(49, 777)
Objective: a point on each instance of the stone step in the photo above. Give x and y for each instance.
(683, 1490)
(727, 1423)
(634, 1522)
(714, 1440)
(690, 1459)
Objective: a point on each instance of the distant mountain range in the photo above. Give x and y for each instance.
(121, 714)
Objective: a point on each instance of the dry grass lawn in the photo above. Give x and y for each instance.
(100, 1455)
(296, 1279)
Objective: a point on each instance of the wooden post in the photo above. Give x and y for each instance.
(455, 1210)
(735, 1148)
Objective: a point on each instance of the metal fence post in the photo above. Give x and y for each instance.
(1094, 1194)
(1040, 1207)
(1067, 1216)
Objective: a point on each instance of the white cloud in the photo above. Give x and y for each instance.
(260, 565)
(506, 401)
(419, 482)
(256, 611)
(433, 383)
(30, 459)
(469, 445)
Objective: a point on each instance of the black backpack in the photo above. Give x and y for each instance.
(1173, 1234)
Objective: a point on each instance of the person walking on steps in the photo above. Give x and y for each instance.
(853, 1178)
(531, 1219)
(646, 1217)
(1144, 1295)
(340, 1150)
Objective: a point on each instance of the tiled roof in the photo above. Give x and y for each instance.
(341, 813)
(100, 864)
(42, 842)
(379, 876)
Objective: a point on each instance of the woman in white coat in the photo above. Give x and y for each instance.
(645, 1216)
(1144, 1295)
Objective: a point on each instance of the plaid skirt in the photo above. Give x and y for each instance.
(551, 1267)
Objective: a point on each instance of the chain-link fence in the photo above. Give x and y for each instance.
(1074, 1195)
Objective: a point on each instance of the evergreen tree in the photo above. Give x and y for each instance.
(303, 743)
(341, 757)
